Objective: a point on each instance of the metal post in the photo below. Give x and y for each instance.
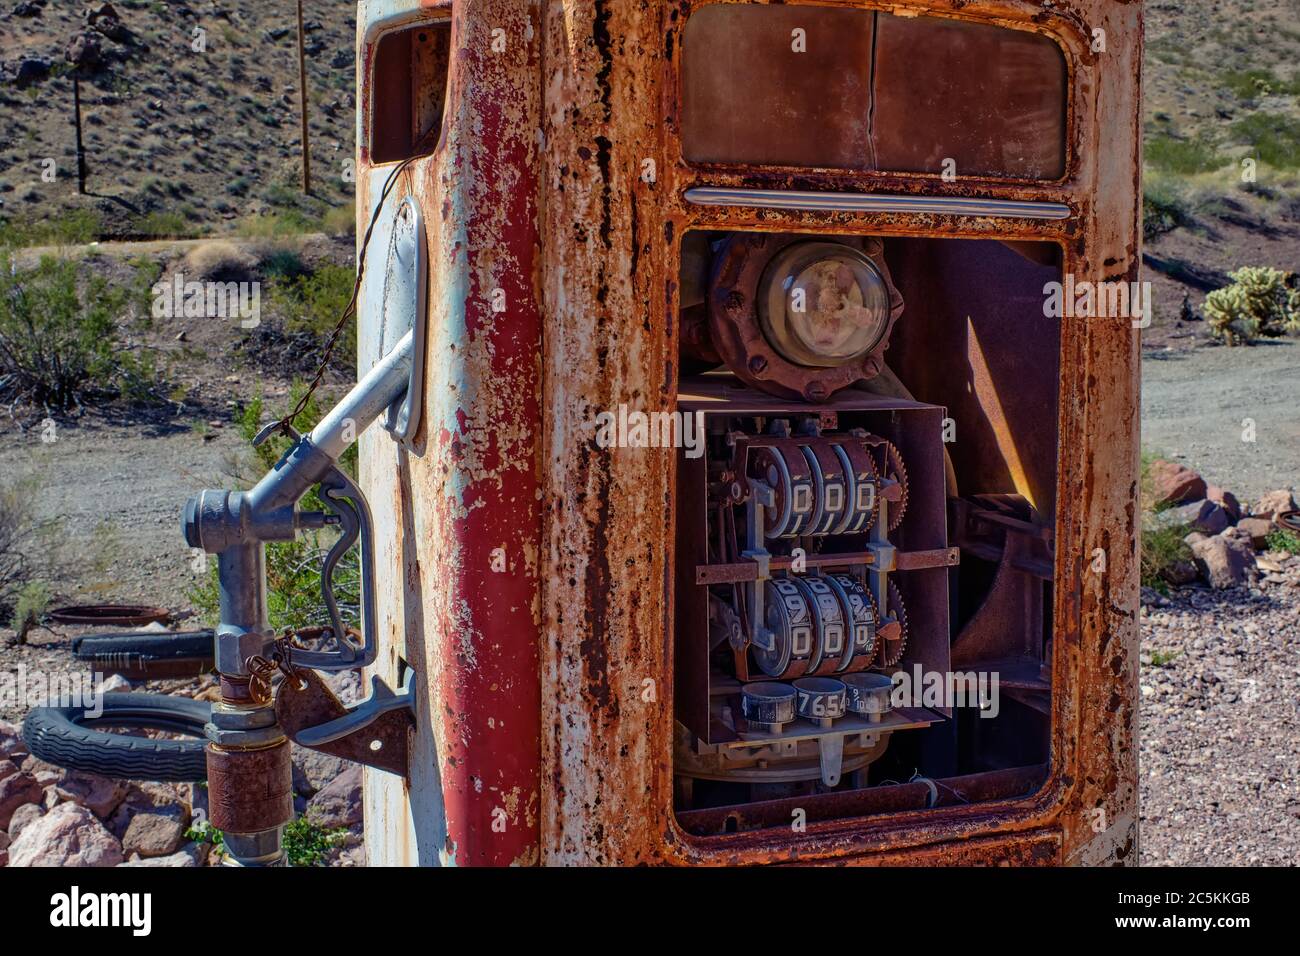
(302, 94)
(81, 149)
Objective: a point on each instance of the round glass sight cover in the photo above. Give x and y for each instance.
(822, 304)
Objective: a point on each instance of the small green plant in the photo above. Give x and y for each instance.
(1260, 301)
(164, 225)
(33, 601)
(307, 842)
(60, 341)
(1164, 208)
(1162, 548)
(1280, 539)
(1161, 658)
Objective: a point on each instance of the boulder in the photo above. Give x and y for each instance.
(196, 854)
(161, 799)
(22, 817)
(1227, 560)
(1181, 572)
(45, 773)
(1175, 483)
(1226, 500)
(69, 835)
(339, 803)
(1211, 518)
(30, 69)
(15, 790)
(99, 795)
(11, 740)
(1258, 528)
(153, 835)
(84, 52)
(313, 771)
(1273, 504)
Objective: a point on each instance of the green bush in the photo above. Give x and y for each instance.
(1260, 301)
(33, 601)
(75, 228)
(313, 303)
(1162, 548)
(1184, 156)
(60, 337)
(1274, 138)
(1164, 208)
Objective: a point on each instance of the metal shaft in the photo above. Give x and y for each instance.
(383, 385)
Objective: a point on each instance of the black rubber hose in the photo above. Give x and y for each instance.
(148, 654)
(66, 737)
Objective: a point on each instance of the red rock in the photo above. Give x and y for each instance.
(23, 816)
(1175, 483)
(1227, 559)
(15, 790)
(1225, 499)
(1273, 504)
(1258, 529)
(69, 835)
(100, 795)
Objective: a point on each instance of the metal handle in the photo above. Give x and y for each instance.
(341, 495)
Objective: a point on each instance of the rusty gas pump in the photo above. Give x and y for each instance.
(758, 231)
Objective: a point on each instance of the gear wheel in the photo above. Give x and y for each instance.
(899, 613)
(892, 467)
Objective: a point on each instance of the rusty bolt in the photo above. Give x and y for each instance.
(758, 364)
(815, 392)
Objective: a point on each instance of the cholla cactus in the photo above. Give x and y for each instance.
(1260, 301)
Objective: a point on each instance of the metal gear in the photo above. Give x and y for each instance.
(899, 613)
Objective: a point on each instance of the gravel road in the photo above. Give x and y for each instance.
(1194, 403)
(1220, 781)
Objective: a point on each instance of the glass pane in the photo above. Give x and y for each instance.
(777, 85)
(989, 98)
(851, 89)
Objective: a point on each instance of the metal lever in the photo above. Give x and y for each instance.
(382, 700)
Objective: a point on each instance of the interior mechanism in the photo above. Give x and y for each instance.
(824, 610)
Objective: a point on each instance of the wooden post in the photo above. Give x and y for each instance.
(81, 148)
(302, 92)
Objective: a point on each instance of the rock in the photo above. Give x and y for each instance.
(16, 790)
(1193, 537)
(27, 9)
(5, 840)
(153, 835)
(100, 795)
(162, 799)
(196, 854)
(1226, 500)
(45, 773)
(1258, 529)
(7, 768)
(313, 771)
(1211, 518)
(1273, 504)
(1177, 515)
(11, 740)
(339, 803)
(115, 684)
(85, 52)
(31, 69)
(1227, 559)
(69, 835)
(22, 817)
(1181, 572)
(1175, 483)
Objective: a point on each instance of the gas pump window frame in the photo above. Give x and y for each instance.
(437, 18)
(676, 88)
(1035, 816)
